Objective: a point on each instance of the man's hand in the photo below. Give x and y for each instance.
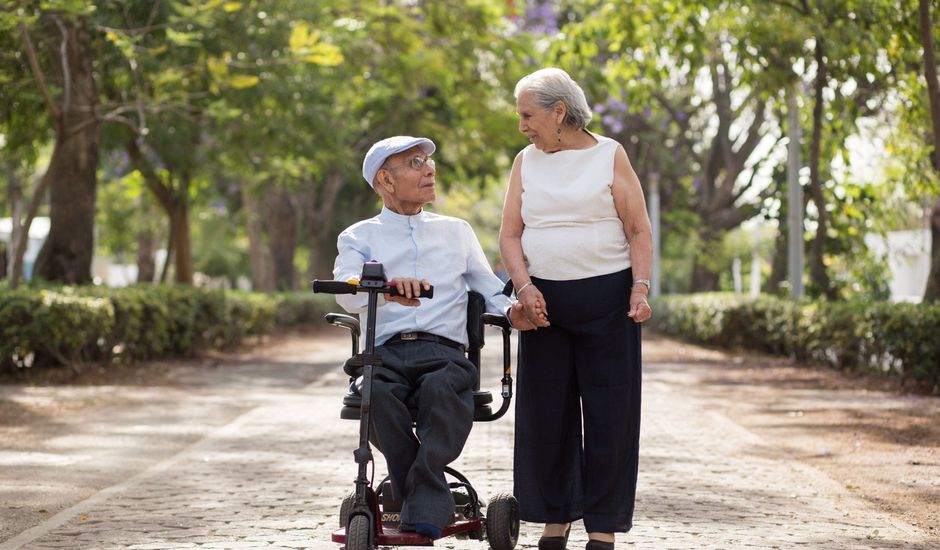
(408, 290)
(521, 321)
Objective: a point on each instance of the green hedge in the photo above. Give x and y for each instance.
(902, 339)
(66, 325)
(46, 326)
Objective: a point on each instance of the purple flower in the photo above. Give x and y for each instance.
(612, 123)
(617, 105)
(540, 17)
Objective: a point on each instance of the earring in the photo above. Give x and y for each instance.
(558, 133)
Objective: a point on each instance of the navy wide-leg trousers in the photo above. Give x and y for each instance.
(582, 371)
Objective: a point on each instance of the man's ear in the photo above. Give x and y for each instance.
(385, 180)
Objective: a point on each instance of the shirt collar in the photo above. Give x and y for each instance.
(389, 216)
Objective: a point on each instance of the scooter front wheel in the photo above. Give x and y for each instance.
(346, 508)
(502, 522)
(358, 533)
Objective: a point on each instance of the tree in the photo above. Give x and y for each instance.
(685, 91)
(24, 131)
(932, 292)
(60, 62)
(351, 74)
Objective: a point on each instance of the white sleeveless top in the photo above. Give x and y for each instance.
(572, 230)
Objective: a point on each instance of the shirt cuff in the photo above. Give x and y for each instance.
(506, 313)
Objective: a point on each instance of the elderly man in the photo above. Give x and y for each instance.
(421, 344)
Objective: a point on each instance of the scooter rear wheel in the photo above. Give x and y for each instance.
(358, 534)
(502, 522)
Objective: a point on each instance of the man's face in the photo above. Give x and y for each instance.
(412, 176)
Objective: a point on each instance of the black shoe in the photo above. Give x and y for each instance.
(599, 545)
(555, 543)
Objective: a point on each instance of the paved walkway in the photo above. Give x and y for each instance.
(253, 455)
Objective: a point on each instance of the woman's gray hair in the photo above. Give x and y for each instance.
(551, 85)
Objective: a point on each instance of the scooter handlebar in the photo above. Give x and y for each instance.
(425, 292)
(342, 287)
(334, 287)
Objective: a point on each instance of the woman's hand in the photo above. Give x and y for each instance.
(640, 309)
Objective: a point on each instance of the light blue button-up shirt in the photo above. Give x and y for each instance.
(441, 249)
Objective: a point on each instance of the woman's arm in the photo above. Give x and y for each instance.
(631, 207)
(510, 244)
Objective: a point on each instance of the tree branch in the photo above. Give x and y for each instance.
(161, 190)
(754, 170)
(37, 72)
(64, 55)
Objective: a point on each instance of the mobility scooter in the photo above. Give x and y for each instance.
(369, 517)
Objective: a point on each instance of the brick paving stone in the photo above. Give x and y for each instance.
(274, 477)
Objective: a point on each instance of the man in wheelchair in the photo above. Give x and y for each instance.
(421, 344)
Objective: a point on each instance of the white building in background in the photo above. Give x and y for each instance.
(104, 269)
(37, 235)
(908, 255)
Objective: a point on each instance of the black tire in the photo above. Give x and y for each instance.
(345, 509)
(502, 522)
(357, 534)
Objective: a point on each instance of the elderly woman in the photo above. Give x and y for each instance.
(577, 243)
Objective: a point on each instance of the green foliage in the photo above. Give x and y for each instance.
(73, 324)
(226, 95)
(898, 339)
(50, 326)
(298, 308)
(218, 246)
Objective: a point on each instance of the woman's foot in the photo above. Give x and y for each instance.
(555, 536)
(600, 541)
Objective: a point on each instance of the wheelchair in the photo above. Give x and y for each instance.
(369, 517)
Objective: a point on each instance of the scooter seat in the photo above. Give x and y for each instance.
(352, 403)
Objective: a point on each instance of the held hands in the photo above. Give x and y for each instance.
(530, 308)
(408, 290)
(522, 321)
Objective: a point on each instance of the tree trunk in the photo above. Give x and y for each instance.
(67, 252)
(322, 255)
(778, 265)
(704, 277)
(817, 266)
(22, 241)
(319, 217)
(146, 261)
(932, 292)
(16, 207)
(168, 258)
(175, 203)
(182, 242)
(281, 224)
(262, 268)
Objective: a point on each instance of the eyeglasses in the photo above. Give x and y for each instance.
(417, 163)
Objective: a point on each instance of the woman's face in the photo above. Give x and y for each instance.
(538, 123)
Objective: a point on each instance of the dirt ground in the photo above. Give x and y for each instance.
(877, 439)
